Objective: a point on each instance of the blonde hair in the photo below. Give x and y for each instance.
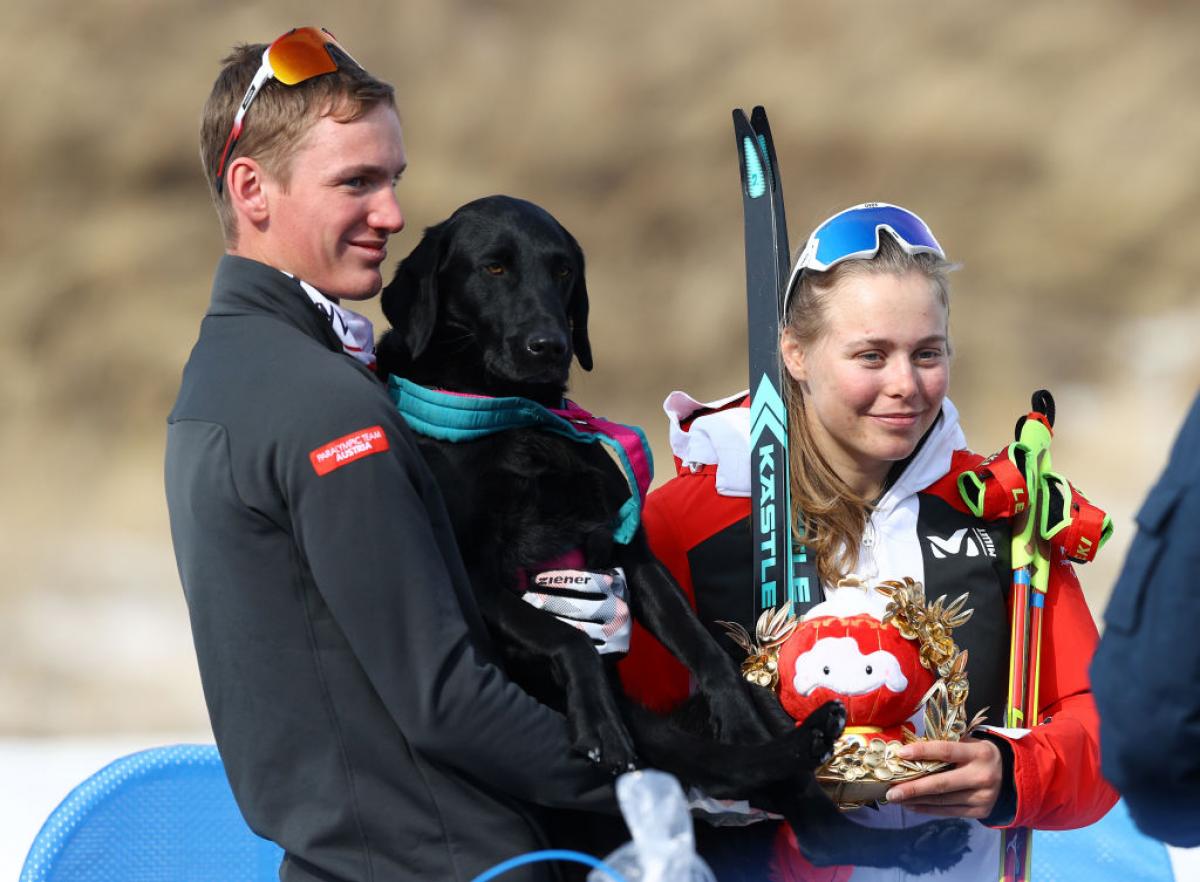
(280, 117)
(835, 516)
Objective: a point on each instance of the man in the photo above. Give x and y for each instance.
(362, 723)
(1146, 673)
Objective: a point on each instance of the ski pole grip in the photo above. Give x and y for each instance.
(1043, 402)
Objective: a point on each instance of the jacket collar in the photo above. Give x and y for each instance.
(931, 460)
(243, 286)
(722, 438)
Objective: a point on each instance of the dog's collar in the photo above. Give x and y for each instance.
(454, 416)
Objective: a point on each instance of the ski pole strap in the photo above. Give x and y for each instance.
(1089, 527)
(995, 488)
(1053, 508)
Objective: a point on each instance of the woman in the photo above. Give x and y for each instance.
(875, 450)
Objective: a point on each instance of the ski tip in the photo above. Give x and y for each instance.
(756, 180)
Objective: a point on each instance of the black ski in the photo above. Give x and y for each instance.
(803, 578)
(762, 128)
(776, 562)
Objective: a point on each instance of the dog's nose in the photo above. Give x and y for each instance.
(548, 346)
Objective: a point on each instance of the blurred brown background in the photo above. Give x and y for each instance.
(1052, 147)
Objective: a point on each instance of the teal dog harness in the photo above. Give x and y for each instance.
(458, 416)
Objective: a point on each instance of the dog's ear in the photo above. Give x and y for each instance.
(577, 311)
(410, 301)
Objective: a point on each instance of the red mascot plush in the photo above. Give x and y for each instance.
(868, 665)
(882, 652)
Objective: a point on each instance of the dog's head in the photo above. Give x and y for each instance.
(492, 300)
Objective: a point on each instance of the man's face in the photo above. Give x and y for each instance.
(330, 226)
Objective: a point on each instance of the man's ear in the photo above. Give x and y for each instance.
(247, 186)
(792, 353)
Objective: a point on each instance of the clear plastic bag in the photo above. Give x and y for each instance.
(663, 847)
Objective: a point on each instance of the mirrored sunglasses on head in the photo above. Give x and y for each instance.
(853, 234)
(297, 56)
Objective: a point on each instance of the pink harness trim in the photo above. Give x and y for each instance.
(629, 440)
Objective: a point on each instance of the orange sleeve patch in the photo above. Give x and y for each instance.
(348, 448)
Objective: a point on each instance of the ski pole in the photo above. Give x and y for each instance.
(1030, 571)
(1030, 568)
(1051, 519)
(1049, 501)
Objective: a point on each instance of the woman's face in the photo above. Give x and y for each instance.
(874, 381)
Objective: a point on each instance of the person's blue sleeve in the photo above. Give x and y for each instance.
(1146, 672)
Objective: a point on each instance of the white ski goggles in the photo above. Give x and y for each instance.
(853, 234)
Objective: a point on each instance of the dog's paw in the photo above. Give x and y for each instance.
(608, 746)
(823, 727)
(938, 845)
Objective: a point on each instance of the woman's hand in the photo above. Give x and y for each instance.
(969, 790)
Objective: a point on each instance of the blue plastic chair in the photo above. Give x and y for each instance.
(160, 815)
(1110, 850)
(167, 815)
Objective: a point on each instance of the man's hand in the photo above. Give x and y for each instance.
(969, 790)
(594, 601)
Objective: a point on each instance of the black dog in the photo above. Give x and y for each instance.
(493, 302)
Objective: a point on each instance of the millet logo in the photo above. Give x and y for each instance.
(967, 542)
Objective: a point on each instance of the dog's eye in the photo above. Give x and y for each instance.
(495, 269)
(563, 272)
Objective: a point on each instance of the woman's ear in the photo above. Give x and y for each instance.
(792, 353)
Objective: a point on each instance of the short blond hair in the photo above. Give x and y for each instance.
(280, 117)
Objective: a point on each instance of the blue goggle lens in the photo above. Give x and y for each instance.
(855, 233)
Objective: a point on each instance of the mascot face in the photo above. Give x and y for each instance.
(867, 665)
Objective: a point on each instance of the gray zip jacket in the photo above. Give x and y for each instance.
(362, 721)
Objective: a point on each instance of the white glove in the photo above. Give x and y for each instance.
(594, 601)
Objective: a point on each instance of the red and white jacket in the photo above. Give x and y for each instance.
(698, 525)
